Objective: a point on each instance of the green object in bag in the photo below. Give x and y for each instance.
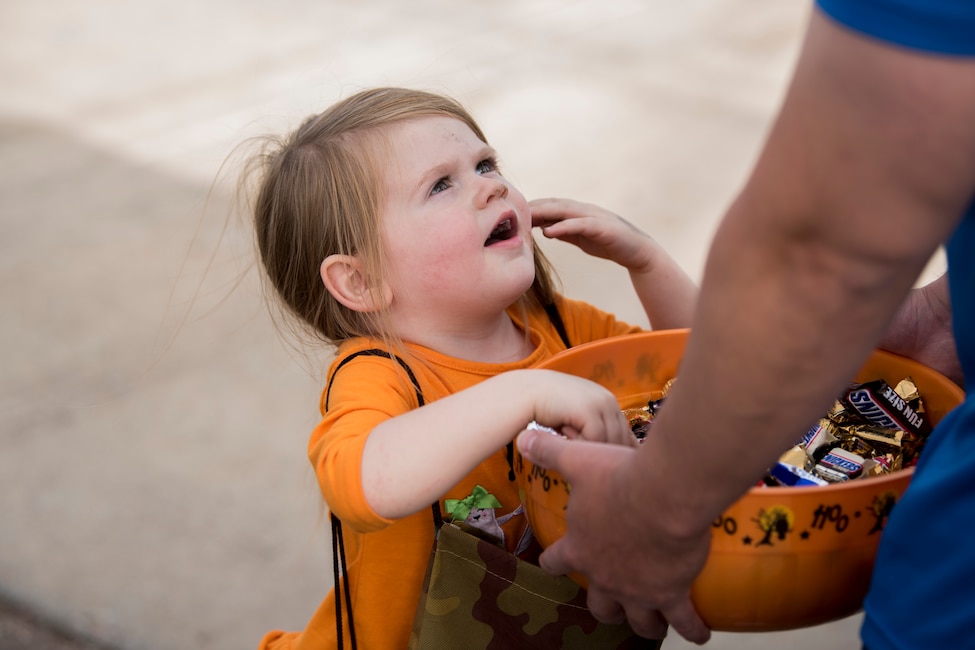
(477, 596)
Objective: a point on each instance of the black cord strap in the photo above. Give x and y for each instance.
(338, 541)
(338, 551)
(556, 318)
(376, 352)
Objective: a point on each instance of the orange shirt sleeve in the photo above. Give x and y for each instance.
(364, 392)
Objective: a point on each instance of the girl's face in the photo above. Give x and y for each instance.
(457, 233)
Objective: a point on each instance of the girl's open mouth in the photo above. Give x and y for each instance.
(502, 232)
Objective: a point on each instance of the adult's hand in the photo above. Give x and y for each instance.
(619, 537)
(922, 330)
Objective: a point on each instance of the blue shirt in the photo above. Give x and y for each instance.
(943, 26)
(923, 591)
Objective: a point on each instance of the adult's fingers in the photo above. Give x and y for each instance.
(545, 450)
(650, 624)
(604, 608)
(553, 560)
(685, 620)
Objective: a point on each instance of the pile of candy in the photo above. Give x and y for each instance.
(871, 430)
(640, 418)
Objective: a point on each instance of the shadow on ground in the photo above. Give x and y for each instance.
(21, 629)
(143, 485)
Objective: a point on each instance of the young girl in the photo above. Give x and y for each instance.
(386, 227)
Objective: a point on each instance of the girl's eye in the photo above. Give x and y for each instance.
(440, 186)
(487, 165)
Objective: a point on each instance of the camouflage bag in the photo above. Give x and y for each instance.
(477, 596)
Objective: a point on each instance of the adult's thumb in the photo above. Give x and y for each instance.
(553, 560)
(541, 447)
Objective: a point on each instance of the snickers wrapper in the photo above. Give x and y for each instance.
(820, 438)
(840, 465)
(880, 404)
(792, 476)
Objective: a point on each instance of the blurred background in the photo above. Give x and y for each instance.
(154, 488)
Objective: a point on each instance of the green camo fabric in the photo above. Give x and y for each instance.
(477, 596)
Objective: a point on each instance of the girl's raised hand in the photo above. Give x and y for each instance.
(595, 230)
(667, 294)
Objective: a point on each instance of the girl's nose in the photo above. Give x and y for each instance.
(491, 188)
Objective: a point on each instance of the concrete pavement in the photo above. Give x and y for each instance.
(20, 628)
(154, 490)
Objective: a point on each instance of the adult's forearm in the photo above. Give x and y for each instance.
(777, 334)
(837, 220)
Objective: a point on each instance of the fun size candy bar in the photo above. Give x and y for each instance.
(820, 438)
(880, 404)
(839, 465)
(788, 475)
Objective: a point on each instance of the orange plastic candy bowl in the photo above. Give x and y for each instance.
(782, 557)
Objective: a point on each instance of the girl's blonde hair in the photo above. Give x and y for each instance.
(319, 194)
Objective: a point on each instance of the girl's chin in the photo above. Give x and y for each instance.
(527, 285)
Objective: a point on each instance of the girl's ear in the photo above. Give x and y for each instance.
(344, 279)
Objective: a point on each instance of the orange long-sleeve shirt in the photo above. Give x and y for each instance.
(387, 559)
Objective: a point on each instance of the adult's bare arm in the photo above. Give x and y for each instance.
(866, 170)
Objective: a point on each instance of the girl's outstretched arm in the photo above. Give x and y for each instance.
(433, 447)
(666, 292)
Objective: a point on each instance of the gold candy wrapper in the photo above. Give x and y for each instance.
(907, 389)
(890, 437)
(668, 386)
(796, 457)
(858, 446)
(842, 414)
(640, 420)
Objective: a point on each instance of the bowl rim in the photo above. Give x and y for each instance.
(844, 486)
